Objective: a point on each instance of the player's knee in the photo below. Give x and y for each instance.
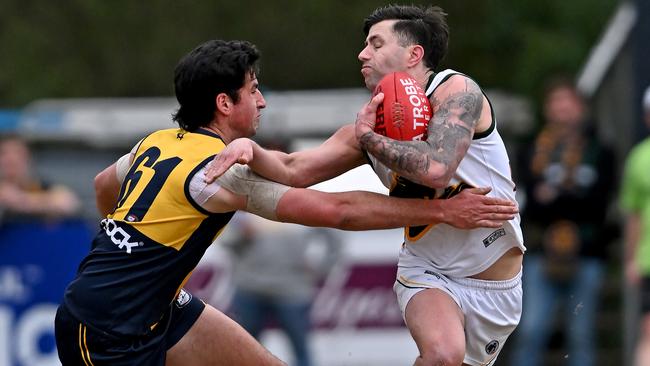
(439, 356)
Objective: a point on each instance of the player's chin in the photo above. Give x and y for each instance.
(370, 81)
(371, 84)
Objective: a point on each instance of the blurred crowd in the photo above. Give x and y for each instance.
(277, 271)
(567, 179)
(23, 194)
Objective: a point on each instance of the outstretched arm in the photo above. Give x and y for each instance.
(335, 156)
(358, 210)
(458, 107)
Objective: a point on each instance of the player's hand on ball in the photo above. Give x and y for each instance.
(475, 209)
(367, 115)
(238, 151)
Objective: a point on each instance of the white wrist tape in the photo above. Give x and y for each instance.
(263, 194)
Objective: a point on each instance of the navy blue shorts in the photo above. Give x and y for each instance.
(80, 344)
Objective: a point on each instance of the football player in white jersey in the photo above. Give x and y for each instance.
(459, 290)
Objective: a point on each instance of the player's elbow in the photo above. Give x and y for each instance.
(106, 184)
(100, 181)
(441, 178)
(437, 176)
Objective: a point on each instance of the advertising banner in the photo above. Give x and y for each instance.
(37, 260)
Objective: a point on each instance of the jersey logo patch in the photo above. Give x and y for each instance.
(492, 347)
(493, 237)
(183, 298)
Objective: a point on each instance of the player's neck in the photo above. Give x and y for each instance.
(219, 131)
(422, 75)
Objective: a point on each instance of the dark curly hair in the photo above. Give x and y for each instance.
(425, 26)
(214, 67)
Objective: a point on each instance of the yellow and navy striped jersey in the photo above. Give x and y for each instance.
(147, 248)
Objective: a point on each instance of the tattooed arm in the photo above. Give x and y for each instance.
(458, 111)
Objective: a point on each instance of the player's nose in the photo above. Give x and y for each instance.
(261, 102)
(363, 55)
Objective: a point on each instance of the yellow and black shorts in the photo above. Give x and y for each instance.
(79, 344)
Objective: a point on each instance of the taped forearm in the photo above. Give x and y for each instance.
(262, 195)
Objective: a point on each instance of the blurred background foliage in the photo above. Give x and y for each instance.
(124, 48)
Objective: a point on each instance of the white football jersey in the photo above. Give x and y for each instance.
(456, 252)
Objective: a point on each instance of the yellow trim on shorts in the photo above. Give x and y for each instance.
(81, 346)
(84, 345)
(404, 279)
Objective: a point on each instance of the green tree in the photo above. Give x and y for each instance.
(89, 48)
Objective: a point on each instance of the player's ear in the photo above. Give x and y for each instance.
(416, 55)
(224, 103)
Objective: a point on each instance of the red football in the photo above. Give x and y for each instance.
(405, 112)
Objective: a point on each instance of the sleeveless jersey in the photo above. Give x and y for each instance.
(147, 248)
(455, 252)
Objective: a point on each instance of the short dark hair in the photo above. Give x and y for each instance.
(425, 26)
(213, 67)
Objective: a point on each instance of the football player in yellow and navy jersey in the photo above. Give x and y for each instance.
(126, 305)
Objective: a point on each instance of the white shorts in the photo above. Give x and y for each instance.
(492, 309)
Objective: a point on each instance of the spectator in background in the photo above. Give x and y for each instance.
(567, 176)
(635, 200)
(276, 273)
(22, 194)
